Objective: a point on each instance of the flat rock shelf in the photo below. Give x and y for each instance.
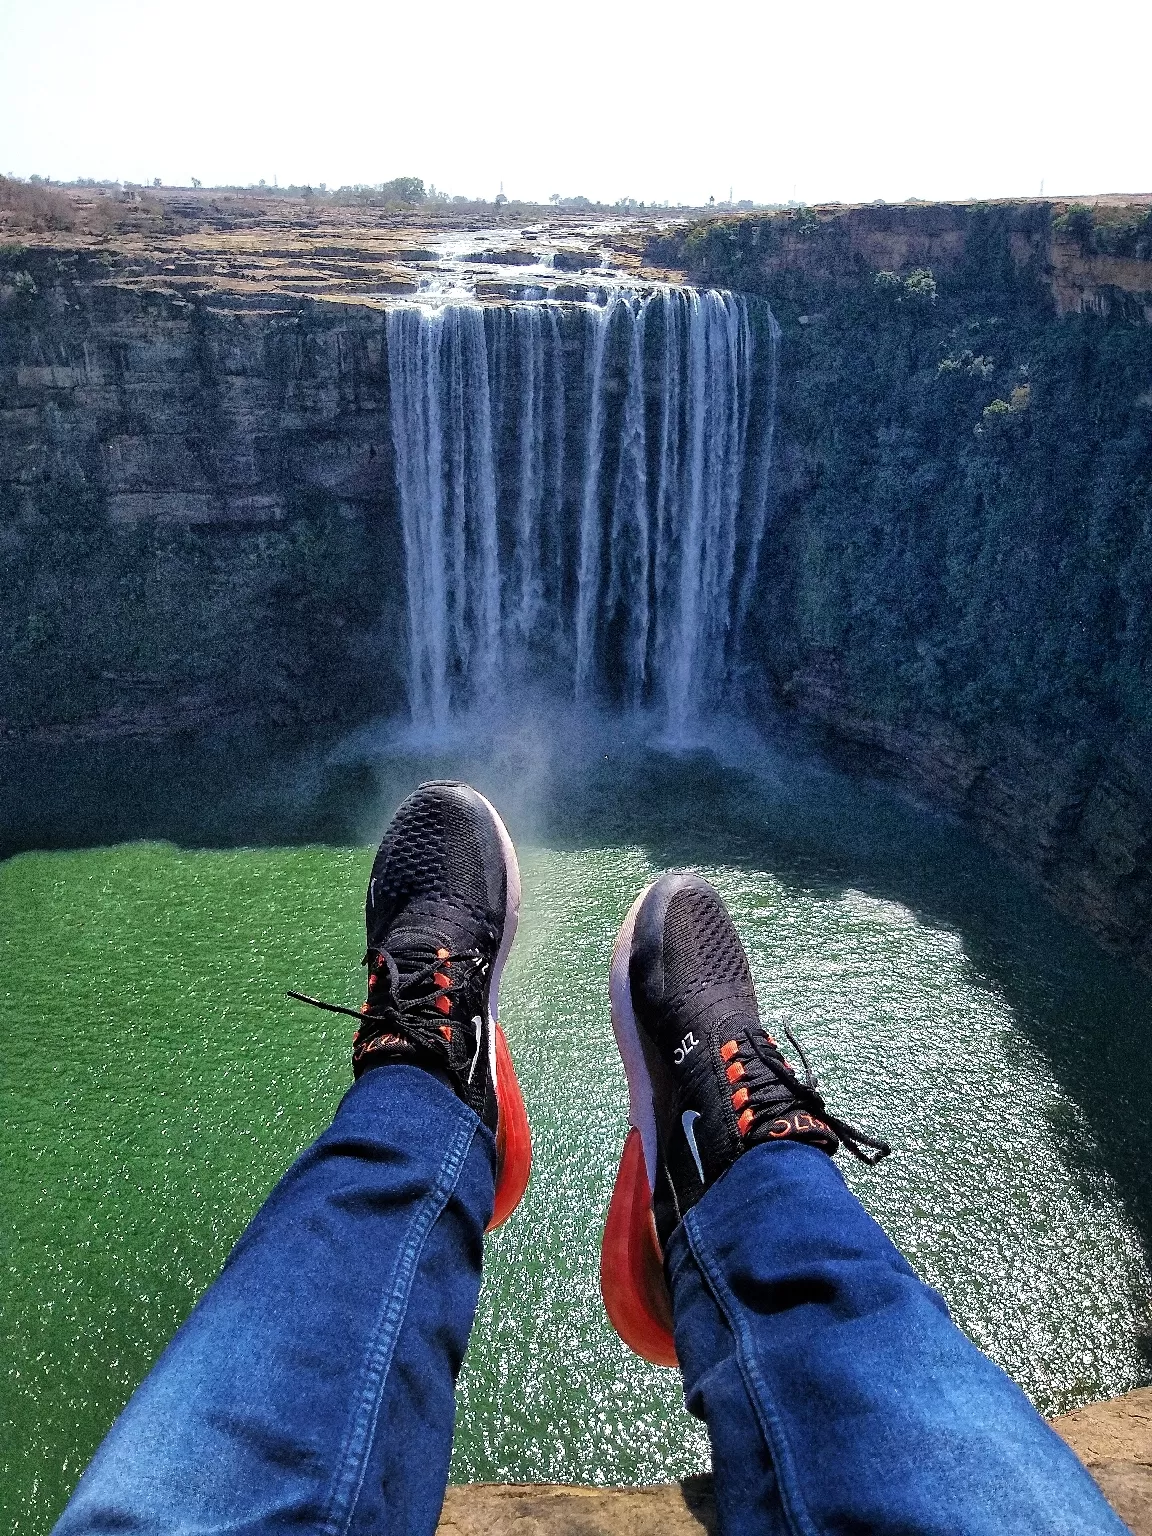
(1112, 1439)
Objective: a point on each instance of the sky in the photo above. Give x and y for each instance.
(812, 100)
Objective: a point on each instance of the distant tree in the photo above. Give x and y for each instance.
(195, 181)
(404, 189)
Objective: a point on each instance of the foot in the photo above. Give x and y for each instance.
(440, 916)
(705, 1083)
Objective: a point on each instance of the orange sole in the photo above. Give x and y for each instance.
(632, 1265)
(513, 1137)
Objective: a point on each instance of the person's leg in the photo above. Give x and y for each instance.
(838, 1394)
(312, 1386)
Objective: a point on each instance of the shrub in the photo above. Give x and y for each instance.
(1000, 412)
(920, 286)
(34, 206)
(1078, 223)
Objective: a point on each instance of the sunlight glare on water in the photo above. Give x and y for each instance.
(155, 1085)
(909, 1042)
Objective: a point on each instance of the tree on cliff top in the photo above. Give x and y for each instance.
(404, 189)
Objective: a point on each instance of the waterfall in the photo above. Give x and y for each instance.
(442, 432)
(583, 492)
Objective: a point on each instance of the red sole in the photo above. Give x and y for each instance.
(513, 1137)
(632, 1266)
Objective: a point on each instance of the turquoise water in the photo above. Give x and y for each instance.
(155, 1083)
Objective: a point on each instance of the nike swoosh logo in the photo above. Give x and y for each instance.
(688, 1120)
(479, 1023)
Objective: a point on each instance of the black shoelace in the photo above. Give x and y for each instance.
(766, 1103)
(403, 1002)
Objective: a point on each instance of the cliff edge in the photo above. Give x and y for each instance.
(1113, 1439)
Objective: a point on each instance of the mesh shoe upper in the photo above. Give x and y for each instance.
(720, 1083)
(439, 867)
(435, 917)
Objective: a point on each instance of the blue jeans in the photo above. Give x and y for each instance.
(311, 1389)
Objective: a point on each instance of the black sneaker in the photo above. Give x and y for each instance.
(705, 1083)
(440, 916)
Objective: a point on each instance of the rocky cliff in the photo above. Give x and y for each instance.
(198, 519)
(197, 490)
(1089, 257)
(960, 584)
(194, 501)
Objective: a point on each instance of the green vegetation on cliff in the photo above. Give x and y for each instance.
(1109, 231)
(149, 626)
(963, 510)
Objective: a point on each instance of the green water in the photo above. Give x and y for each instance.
(155, 1084)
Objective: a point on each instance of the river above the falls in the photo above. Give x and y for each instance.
(155, 1082)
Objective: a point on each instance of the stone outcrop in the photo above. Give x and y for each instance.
(1114, 1440)
(543, 1509)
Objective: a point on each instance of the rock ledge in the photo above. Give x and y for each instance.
(1113, 1439)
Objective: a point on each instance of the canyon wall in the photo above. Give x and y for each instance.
(959, 590)
(199, 520)
(195, 502)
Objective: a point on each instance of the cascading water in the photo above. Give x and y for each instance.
(582, 495)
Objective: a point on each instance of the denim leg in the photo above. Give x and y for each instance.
(838, 1393)
(312, 1387)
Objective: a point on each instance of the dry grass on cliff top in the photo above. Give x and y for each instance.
(31, 207)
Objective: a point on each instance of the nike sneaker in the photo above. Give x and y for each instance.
(705, 1083)
(440, 915)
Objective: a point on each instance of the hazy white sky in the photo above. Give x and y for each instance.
(813, 99)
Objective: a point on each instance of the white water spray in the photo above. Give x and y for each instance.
(583, 494)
